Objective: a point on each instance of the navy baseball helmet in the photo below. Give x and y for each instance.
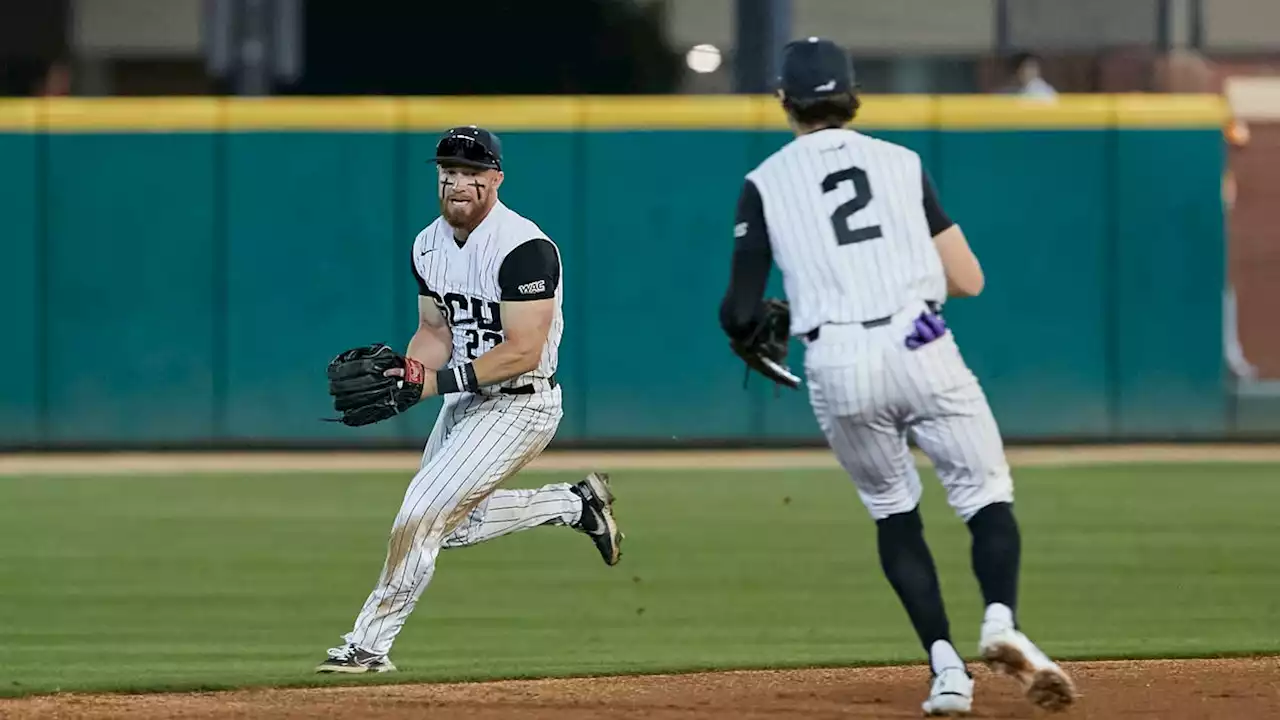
(815, 68)
(470, 146)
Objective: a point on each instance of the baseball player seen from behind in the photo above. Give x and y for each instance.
(868, 256)
(489, 309)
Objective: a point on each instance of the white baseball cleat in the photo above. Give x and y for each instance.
(1008, 651)
(952, 694)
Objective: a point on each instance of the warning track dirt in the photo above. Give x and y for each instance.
(259, 462)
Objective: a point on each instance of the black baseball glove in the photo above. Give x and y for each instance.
(361, 390)
(764, 348)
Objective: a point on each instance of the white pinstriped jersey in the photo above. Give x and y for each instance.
(464, 283)
(847, 228)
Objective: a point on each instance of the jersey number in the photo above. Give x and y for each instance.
(861, 196)
(475, 337)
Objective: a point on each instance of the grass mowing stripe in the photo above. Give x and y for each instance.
(187, 582)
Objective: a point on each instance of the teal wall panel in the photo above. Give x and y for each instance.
(1170, 257)
(208, 278)
(21, 363)
(311, 260)
(924, 142)
(656, 243)
(1034, 207)
(131, 297)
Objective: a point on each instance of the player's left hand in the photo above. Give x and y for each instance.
(764, 349)
(929, 326)
(365, 390)
(429, 386)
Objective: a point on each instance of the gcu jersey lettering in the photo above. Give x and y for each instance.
(847, 225)
(506, 258)
(480, 321)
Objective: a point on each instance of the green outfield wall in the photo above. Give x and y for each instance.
(179, 271)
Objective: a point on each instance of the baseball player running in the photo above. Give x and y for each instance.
(868, 256)
(489, 309)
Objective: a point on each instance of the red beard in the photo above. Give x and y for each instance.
(462, 216)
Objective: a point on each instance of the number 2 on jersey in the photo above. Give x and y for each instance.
(861, 196)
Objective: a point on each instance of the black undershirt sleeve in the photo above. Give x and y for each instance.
(530, 272)
(752, 259)
(937, 217)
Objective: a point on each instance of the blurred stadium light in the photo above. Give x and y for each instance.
(703, 58)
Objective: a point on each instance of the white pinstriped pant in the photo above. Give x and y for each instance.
(868, 391)
(477, 443)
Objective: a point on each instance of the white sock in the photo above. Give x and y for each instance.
(943, 655)
(998, 614)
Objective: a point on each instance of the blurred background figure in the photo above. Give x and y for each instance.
(1026, 80)
(56, 80)
(1236, 134)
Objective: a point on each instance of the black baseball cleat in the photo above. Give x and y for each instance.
(353, 660)
(597, 516)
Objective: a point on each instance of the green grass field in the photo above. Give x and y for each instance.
(134, 583)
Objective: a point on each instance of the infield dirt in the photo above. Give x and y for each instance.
(1164, 689)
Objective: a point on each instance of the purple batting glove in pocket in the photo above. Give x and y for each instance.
(928, 327)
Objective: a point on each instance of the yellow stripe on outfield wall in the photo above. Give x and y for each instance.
(1171, 111)
(131, 114)
(730, 112)
(905, 112)
(999, 112)
(564, 113)
(494, 113)
(291, 113)
(21, 115)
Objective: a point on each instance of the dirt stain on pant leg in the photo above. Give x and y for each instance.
(404, 537)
